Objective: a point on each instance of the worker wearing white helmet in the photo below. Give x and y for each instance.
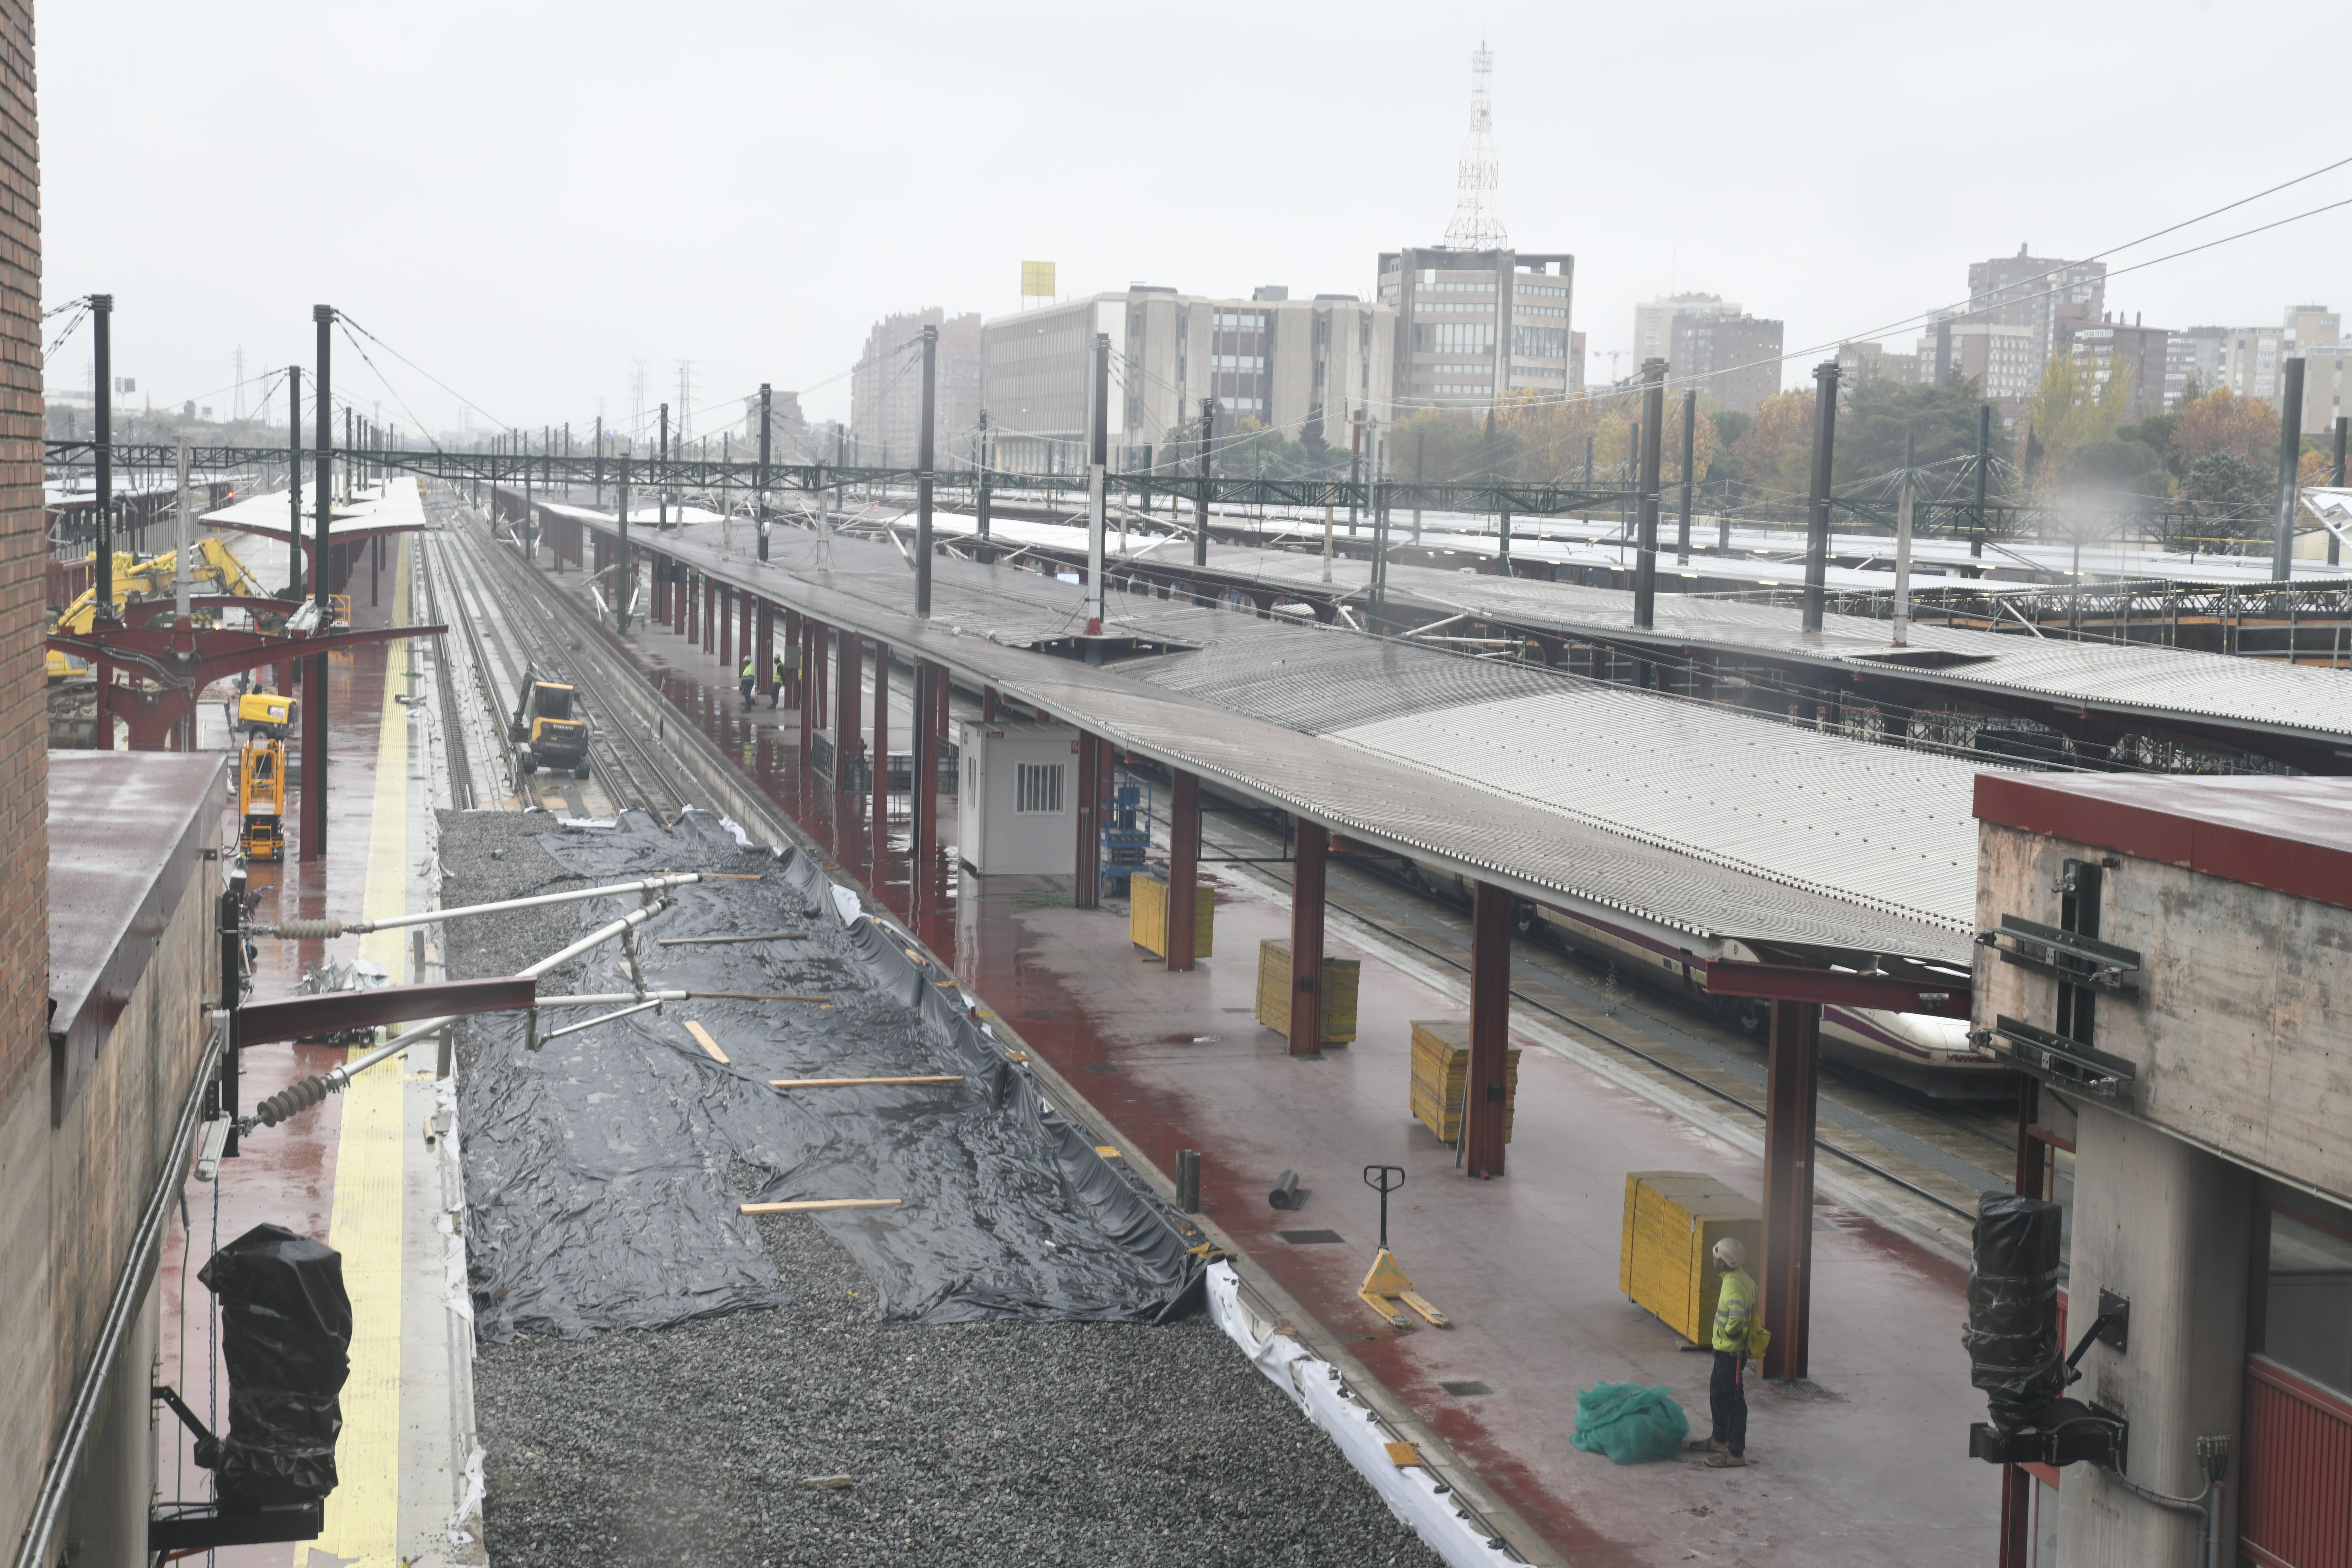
(1736, 1336)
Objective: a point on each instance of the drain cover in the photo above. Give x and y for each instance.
(1311, 1237)
(1104, 1066)
(1464, 1388)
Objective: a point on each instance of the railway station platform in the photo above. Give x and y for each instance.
(1855, 1465)
(356, 1170)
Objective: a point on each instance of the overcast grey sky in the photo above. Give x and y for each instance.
(524, 199)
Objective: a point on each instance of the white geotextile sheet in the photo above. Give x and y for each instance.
(1313, 1385)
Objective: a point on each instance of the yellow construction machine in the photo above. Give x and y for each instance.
(262, 800)
(217, 568)
(545, 730)
(264, 713)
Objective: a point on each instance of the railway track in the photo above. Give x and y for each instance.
(506, 627)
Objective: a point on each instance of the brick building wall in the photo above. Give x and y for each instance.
(24, 701)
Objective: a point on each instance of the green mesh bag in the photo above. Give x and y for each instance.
(1630, 1423)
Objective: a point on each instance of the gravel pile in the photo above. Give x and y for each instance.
(1001, 1443)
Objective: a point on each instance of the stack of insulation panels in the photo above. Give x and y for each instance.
(1341, 978)
(1441, 1072)
(1147, 912)
(1673, 1220)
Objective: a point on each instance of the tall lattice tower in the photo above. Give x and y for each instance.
(1477, 217)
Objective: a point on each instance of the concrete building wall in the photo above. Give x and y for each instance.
(1738, 355)
(2139, 351)
(886, 393)
(2037, 293)
(27, 1377)
(2164, 1226)
(1473, 327)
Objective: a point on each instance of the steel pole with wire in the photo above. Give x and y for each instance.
(1690, 430)
(1817, 530)
(925, 435)
(1097, 455)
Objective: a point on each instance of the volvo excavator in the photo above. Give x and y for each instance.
(545, 730)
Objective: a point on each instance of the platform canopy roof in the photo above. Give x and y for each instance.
(394, 507)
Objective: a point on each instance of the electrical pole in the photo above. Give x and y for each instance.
(102, 317)
(1905, 511)
(2341, 421)
(623, 574)
(2290, 471)
(1420, 452)
(760, 501)
(1645, 557)
(1690, 436)
(1984, 460)
(661, 475)
(1817, 531)
(294, 482)
(600, 460)
(1208, 433)
(925, 432)
(314, 679)
(1097, 444)
(987, 555)
(1355, 467)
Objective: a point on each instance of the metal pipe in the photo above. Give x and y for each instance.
(654, 1000)
(312, 1090)
(611, 998)
(326, 930)
(1097, 435)
(33, 1551)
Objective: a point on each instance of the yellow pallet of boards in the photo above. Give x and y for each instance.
(1441, 1072)
(1147, 913)
(1673, 1220)
(1340, 979)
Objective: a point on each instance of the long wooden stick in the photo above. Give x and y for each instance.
(804, 1206)
(761, 996)
(848, 1083)
(702, 1038)
(715, 941)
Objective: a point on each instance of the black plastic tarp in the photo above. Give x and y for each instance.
(597, 1168)
(285, 1338)
(2014, 1355)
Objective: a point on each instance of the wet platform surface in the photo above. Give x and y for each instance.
(1864, 1464)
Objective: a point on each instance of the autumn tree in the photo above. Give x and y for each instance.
(2221, 421)
(1776, 454)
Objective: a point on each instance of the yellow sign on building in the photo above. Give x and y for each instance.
(1036, 280)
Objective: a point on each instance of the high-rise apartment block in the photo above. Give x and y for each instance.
(1654, 322)
(1997, 355)
(2107, 348)
(1299, 366)
(2037, 293)
(2200, 352)
(1475, 328)
(885, 390)
(1737, 359)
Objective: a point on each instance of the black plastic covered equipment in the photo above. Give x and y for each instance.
(286, 1337)
(2014, 1353)
(604, 1171)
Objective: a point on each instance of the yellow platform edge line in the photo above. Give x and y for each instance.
(362, 1514)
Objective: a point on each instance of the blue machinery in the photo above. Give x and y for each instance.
(1127, 818)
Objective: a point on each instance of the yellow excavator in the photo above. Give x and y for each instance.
(216, 570)
(545, 731)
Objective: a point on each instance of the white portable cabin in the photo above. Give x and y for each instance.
(1017, 809)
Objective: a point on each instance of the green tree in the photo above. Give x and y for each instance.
(2231, 496)
(1941, 420)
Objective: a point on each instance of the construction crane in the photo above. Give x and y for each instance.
(544, 730)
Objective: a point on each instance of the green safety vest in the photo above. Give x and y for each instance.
(1735, 1311)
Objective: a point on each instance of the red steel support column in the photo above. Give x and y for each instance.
(1310, 844)
(923, 783)
(314, 759)
(752, 639)
(1791, 1081)
(1483, 1103)
(810, 631)
(763, 648)
(881, 767)
(941, 687)
(1085, 883)
(713, 612)
(796, 670)
(848, 693)
(661, 591)
(1183, 866)
(376, 560)
(723, 623)
(988, 705)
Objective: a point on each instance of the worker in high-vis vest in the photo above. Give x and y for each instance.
(1735, 1339)
(750, 679)
(776, 687)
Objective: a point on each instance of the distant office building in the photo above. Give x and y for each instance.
(1740, 357)
(1655, 323)
(2104, 346)
(2037, 293)
(1861, 361)
(1997, 356)
(1292, 365)
(885, 390)
(1474, 327)
(787, 429)
(2201, 351)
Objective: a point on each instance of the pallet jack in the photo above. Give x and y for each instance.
(1385, 1283)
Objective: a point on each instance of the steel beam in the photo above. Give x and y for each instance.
(1795, 982)
(1792, 1093)
(261, 1023)
(881, 801)
(1485, 1108)
(1310, 848)
(1183, 866)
